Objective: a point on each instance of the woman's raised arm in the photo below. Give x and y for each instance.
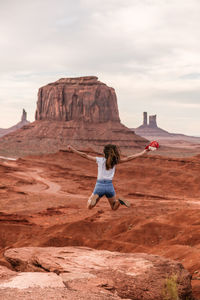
(83, 154)
(151, 147)
(128, 158)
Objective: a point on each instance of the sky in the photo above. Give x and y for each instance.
(147, 50)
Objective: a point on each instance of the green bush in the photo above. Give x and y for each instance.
(170, 288)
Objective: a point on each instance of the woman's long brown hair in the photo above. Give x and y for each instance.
(112, 155)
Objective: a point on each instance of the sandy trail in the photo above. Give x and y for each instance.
(42, 186)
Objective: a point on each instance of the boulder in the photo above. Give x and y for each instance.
(123, 275)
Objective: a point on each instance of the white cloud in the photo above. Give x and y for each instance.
(148, 50)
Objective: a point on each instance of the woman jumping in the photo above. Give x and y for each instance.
(106, 171)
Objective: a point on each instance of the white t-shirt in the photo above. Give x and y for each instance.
(104, 174)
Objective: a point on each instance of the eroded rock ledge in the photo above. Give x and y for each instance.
(72, 271)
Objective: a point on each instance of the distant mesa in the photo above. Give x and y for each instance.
(80, 111)
(78, 99)
(152, 131)
(17, 126)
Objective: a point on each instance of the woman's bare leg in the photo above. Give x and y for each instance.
(114, 203)
(92, 201)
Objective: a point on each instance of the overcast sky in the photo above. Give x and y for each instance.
(147, 50)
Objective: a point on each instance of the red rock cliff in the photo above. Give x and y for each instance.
(78, 99)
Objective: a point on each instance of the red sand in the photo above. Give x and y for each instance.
(43, 203)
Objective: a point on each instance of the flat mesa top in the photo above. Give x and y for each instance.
(84, 79)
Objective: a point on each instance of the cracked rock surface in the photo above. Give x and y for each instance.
(99, 273)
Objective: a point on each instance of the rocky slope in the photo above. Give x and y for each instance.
(51, 136)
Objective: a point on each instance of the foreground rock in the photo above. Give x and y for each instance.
(110, 275)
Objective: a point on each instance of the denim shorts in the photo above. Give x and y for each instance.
(104, 187)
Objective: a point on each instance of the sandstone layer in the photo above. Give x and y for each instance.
(130, 276)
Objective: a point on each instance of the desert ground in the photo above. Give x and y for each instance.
(43, 204)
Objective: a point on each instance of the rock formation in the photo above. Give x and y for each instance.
(17, 126)
(145, 118)
(79, 111)
(152, 121)
(111, 275)
(79, 99)
(152, 131)
(24, 116)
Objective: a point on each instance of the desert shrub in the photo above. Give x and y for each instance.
(170, 291)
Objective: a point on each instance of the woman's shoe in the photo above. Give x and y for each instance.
(124, 202)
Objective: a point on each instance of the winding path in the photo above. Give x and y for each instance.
(50, 186)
